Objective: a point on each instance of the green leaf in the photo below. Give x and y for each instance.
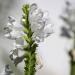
(25, 37)
(25, 30)
(26, 8)
(72, 68)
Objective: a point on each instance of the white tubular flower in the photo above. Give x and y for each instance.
(12, 30)
(39, 20)
(17, 54)
(17, 47)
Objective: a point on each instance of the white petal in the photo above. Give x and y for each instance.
(33, 7)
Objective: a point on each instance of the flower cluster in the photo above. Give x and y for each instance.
(39, 23)
(14, 32)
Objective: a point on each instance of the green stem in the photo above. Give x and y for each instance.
(72, 62)
(72, 68)
(30, 49)
(74, 40)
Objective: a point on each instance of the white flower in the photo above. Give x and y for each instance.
(13, 31)
(40, 27)
(39, 20)
(17, 47)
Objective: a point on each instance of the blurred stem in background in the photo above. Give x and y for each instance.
(73, 59)
(74, 40)
(69, 19)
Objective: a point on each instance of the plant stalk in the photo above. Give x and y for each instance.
(72, 61)
(30, 48)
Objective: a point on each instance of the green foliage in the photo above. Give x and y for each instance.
(70, 21)
(72, 68)
(30, 48)
(73, 63)
(72, 55)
